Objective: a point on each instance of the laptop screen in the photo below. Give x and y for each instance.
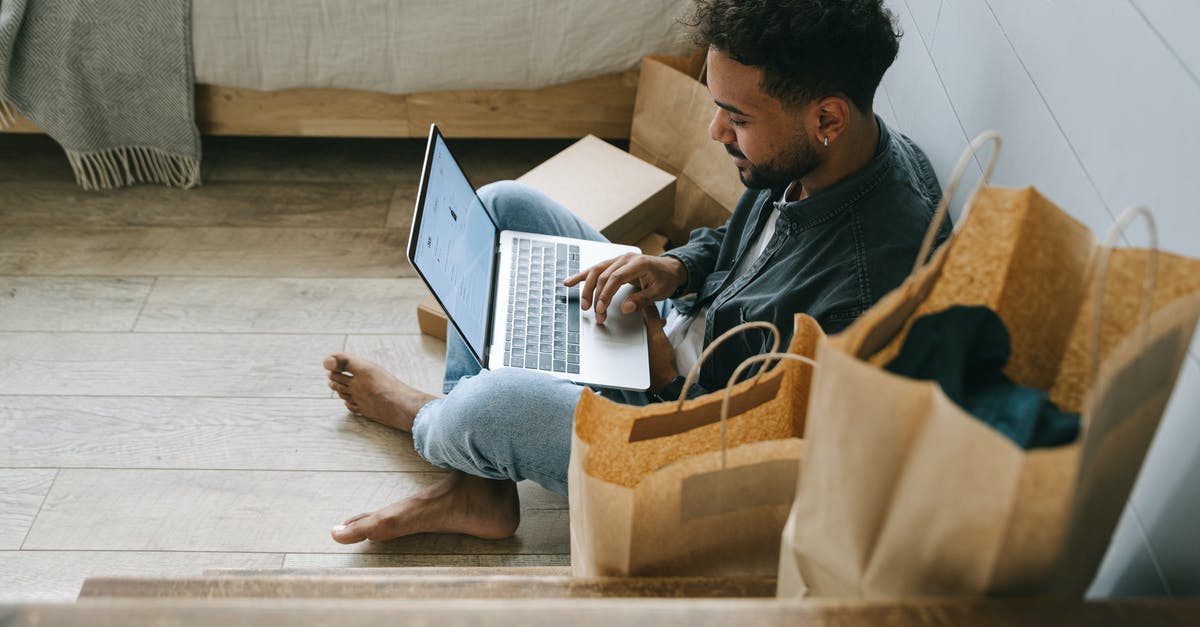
(455, 245)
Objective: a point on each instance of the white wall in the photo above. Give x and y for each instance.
(1098, 103)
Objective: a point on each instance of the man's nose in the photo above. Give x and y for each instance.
(718, 130)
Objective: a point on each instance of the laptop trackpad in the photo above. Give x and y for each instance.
(618, 327)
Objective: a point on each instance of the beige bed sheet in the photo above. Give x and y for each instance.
(409, 46)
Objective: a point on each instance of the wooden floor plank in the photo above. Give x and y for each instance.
(21, 496)
(607, 612)
(292, 204)
(204, 251)
(71, 303)
(430, 568)
(282, 305)
(402, 207)
(247, 282)
(111, 364)
(240, 511)
(382, 560)
(418, 360)
(56, 576)
(197, 433)
(426, 585)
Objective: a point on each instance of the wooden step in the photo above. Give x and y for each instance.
(425, 587)
(603, 612)
(391, 571)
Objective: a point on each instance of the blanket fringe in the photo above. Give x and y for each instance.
(8, 116)
(120, 167)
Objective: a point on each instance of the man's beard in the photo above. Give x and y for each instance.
(796, 161)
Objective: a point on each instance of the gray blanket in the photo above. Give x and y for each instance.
(110, 80)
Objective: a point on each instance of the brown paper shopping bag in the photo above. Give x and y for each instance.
(671, 116)
(902, 493)
(672, 489)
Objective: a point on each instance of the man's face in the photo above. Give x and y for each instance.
(767, 141)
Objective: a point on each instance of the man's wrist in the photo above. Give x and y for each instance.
(680, 270)
(672, 389)
(681, 273)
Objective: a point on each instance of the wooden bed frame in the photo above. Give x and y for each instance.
(601, 106)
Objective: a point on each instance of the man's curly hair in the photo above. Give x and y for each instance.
(807, 49)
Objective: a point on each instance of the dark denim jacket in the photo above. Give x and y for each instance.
(832, 256)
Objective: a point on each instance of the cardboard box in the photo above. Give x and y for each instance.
(620, 195)
(653, 244)
(430, 318)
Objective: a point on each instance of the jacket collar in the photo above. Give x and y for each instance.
(829, 202)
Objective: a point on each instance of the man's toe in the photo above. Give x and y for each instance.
(354, 530)
(337, 362)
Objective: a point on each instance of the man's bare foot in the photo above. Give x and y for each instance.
(460, 503)
(373, 392)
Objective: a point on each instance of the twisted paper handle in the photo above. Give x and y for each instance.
(943, 208)
(749, 361)
(695, 371)
(1099, 284)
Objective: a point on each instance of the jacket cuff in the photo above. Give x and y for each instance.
(690, 266)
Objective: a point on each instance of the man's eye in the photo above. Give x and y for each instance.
(736, 122)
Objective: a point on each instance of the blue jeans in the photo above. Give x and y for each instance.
(508, 423)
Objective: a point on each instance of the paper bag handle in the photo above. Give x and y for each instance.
(695, 371)
(737, 372)
(943, 208)
(1100, 283)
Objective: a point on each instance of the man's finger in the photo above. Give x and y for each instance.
(574, 279)
(590, 274)
(639, 300)
(607, 285)
(611, 281)
(585, 295)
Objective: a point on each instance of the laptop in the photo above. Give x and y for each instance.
(503, 291)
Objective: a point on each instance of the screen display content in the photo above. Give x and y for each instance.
(455, 252)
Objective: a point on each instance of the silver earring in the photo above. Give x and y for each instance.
(826, 140)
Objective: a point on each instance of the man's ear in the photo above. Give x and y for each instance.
(831, 115)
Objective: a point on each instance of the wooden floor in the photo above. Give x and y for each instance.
(162, 403)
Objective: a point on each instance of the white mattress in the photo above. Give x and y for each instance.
(407, 46)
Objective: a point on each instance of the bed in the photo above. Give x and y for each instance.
(387, 68)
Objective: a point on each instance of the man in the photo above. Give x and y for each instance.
(834, 213)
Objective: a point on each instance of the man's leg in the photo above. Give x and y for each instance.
(492, 430)
(518, 207)
(502, 426)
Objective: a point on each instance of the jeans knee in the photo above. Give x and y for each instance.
(519, 207)
(483, 410)
(506, 423)
(508, 201)
(480, 400)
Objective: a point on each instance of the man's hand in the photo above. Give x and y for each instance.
(662, 354)
(656, 277)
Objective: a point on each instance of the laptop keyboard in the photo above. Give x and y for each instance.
(543, 314)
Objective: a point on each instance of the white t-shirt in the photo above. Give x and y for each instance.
(686, 333)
